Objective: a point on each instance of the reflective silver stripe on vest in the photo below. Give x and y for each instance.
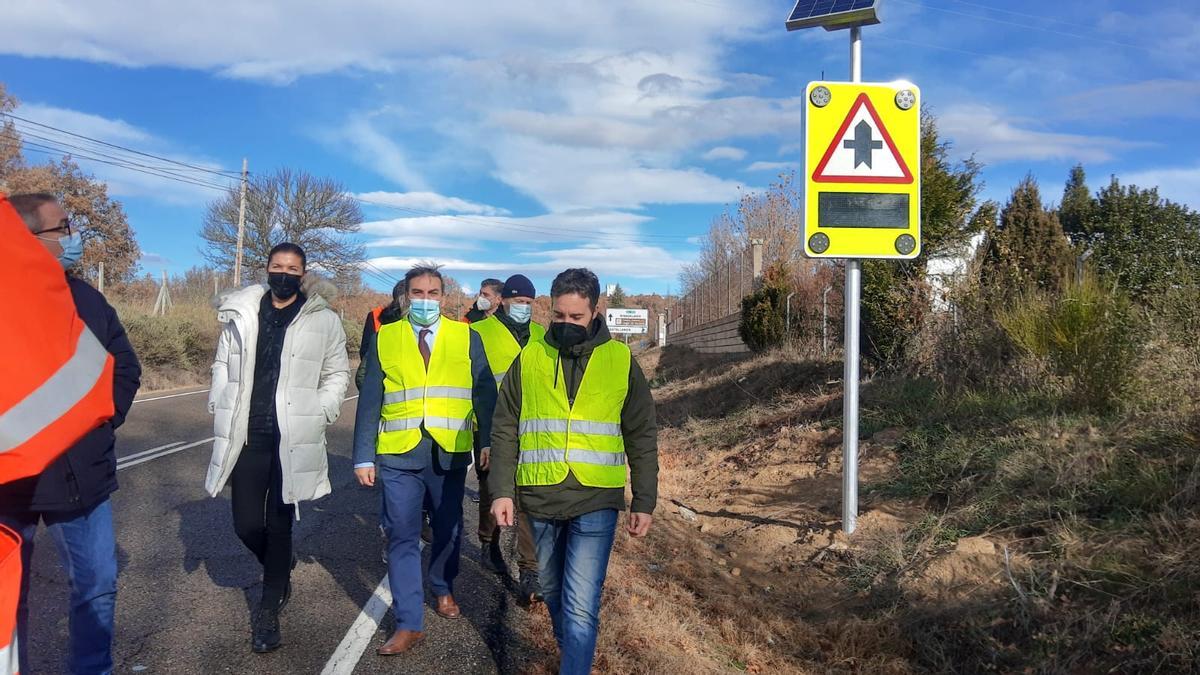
(593, 457)
(403, 424)
(447, 423)
(539, 456)
(560, 427)
(574, 456)
(542, 426)
(402, 396)
(417, 393)
(57, 395)
(448, 392)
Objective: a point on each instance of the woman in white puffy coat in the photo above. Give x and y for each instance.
(278, 380)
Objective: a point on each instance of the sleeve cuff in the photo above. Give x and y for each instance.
(364, 465)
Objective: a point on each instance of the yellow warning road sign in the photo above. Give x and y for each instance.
(862, 196)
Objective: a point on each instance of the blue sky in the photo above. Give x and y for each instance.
(531, 136)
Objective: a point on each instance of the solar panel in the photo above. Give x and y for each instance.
(833, 14)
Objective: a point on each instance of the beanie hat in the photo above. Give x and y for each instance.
(518, 286)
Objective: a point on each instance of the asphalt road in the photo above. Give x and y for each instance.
(187, 585)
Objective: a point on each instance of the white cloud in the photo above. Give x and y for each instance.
(773, 166)
(1180, 184)
(725, 152)
(993, 138)
(430, 201)
(375, 150)
(279, 41)
(154, 259)
(452, 232)
(626, 261)
(1159, 98)
(140, 176)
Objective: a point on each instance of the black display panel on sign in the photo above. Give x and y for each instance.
(862, 209)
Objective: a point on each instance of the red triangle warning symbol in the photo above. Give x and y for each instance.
(862, 151)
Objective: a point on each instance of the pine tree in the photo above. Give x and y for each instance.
(617, 299)
(1027, 249)
(1075, 212)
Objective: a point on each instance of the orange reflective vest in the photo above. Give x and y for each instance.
(10, 586)
(58, 378)
(375, 315)
(57, 385)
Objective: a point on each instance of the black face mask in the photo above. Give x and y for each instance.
(568, 335)
(283, 285)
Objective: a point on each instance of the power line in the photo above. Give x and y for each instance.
(96, 151)
(71, 150)
(219, 172)
(53, 152)
(1025, 26)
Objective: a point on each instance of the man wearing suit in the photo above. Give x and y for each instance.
(427, 386)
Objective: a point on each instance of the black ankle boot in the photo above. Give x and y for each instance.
(265, 637)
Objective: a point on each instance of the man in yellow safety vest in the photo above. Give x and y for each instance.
(505, 333)
(574, 411)
(427, 386)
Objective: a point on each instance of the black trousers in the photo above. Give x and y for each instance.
(260, 518)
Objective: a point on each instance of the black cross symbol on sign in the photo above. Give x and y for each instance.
(863, 145)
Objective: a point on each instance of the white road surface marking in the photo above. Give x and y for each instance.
(160, 398)
(345, 658)
(170, 451)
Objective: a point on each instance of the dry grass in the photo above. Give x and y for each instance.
(996, 535)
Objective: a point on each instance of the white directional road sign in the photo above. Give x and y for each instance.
(628, 321)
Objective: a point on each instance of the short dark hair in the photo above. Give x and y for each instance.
(423, 270)
(288, 247)
(494, 284)
(398, 292)
(27, 206)
(579, 281)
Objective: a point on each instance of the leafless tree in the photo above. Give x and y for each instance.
(287, 205)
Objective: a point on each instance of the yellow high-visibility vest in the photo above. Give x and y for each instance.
(585, 438)
(501, 347)
(438, 400)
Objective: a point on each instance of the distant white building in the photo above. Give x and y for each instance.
(610, 289)
(945, 272)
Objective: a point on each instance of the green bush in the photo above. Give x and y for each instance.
(353, 336)
(1088, 335)
(761, 326)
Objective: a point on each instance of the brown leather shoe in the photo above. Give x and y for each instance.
(402, 641)
(447, 607)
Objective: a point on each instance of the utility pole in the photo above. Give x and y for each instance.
(237, 265)
(100, 277)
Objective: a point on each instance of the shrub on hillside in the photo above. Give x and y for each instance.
(761, 326)
(181, 341)
(1088, 335)
(353, 337)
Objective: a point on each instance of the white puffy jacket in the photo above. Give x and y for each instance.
(313, 379)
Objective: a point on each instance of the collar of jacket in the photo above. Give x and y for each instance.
(243, 303)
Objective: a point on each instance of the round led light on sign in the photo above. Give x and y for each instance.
(906, 244)
(819, 242)
(905, 99)
(820, 96)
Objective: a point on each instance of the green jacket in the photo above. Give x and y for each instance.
(569, 498)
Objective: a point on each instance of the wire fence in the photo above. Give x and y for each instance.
(717, 297)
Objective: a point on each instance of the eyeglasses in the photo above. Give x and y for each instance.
(65, 227)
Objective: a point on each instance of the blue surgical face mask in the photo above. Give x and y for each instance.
(424, 311)
(72, 250)
(520, 313)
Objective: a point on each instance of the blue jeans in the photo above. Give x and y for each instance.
(87, 548)
(405, 492)
(573, 561)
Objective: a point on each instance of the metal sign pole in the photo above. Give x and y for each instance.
(850, 374)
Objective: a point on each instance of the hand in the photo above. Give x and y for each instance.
(639, 524)
(485, 459)
(502, 511)
(366, 476)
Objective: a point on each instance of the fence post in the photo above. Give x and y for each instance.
(100, 277)
(756, 247)
(662, 330)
